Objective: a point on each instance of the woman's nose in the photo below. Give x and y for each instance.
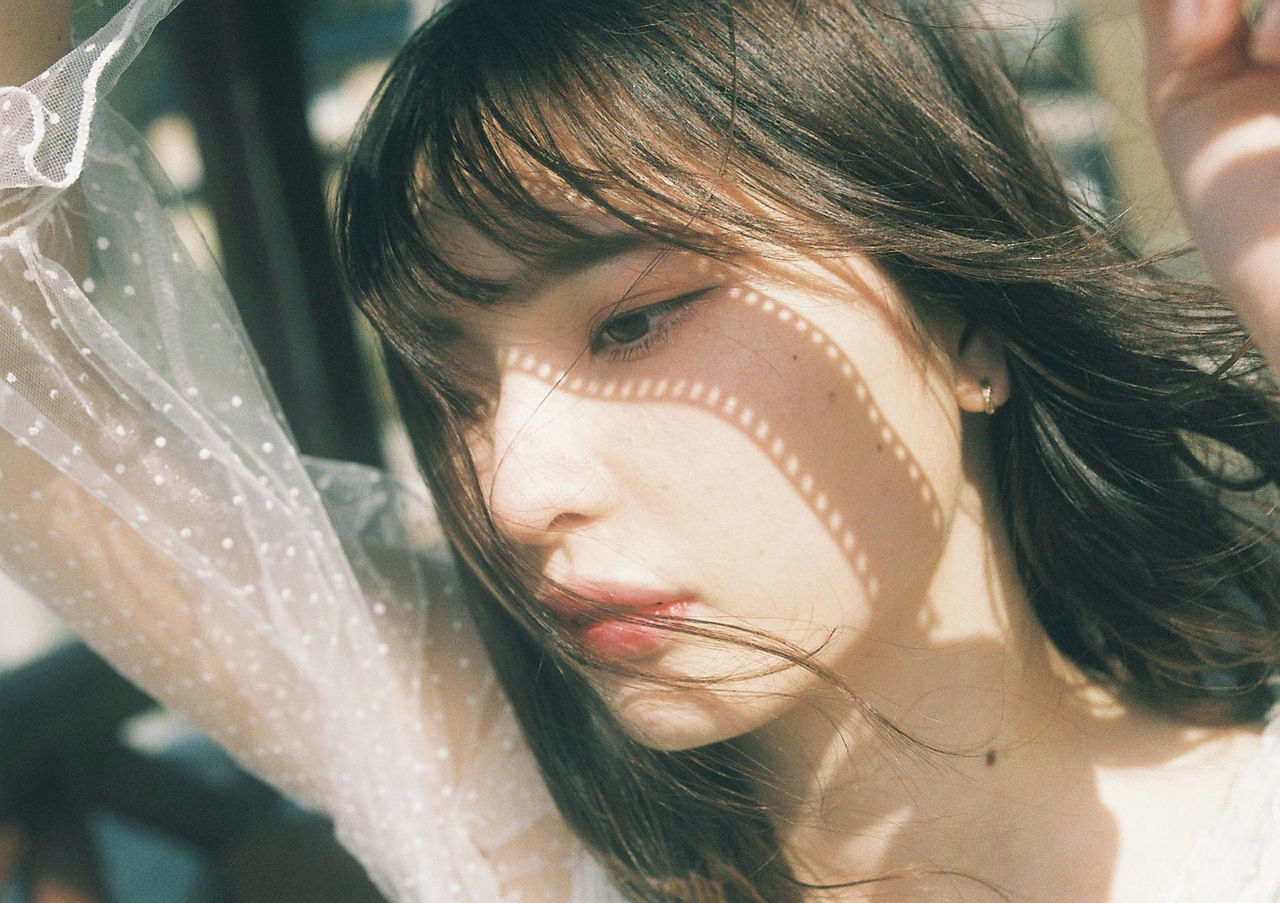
(540, 474)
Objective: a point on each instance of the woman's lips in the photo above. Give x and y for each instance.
(618, 621)
(627, 639)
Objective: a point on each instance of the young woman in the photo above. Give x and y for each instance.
(845, 512)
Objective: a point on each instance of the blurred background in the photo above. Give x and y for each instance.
(248, 106)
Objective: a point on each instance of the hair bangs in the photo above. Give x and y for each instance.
(531, 135)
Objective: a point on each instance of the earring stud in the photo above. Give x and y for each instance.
(988, 406)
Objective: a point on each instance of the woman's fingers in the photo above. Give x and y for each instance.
(1184, 36)
(1264, 44)
(1184, 32)
(1191, 44)
(1215, 110)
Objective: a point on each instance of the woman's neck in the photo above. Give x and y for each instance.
(972, 757)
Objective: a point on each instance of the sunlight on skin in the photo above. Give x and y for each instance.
(805, 389)
(731, 408)
(772, 365)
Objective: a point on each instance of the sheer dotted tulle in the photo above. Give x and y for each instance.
(300, 612)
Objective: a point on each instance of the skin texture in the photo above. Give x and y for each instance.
(930, 622)
(749, 397)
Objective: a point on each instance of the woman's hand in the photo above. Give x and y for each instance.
(1214, 94)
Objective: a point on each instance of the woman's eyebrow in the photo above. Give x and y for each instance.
(588, 252)
(577, 256)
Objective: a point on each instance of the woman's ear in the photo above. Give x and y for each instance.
(980, 379)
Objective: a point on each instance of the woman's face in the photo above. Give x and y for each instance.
(763, 446)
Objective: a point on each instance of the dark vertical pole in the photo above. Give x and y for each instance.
(240, 62)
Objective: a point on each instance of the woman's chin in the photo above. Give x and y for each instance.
(672, 719)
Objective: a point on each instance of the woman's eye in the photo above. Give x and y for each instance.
(630, 327)
(633, 332)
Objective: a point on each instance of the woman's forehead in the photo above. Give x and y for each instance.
(518, 224)
(539, 227)
(545, 251)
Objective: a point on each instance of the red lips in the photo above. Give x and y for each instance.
(611, 619)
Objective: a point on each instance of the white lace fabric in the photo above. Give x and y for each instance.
(294, 610)
(150, 493)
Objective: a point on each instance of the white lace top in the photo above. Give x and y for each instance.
(293, 609)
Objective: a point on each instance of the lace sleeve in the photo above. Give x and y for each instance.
(300, 613)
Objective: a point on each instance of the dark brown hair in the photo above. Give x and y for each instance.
(1133, 478)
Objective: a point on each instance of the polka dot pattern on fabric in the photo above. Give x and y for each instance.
(301, 612)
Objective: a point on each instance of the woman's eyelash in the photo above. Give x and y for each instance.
(633, 333)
